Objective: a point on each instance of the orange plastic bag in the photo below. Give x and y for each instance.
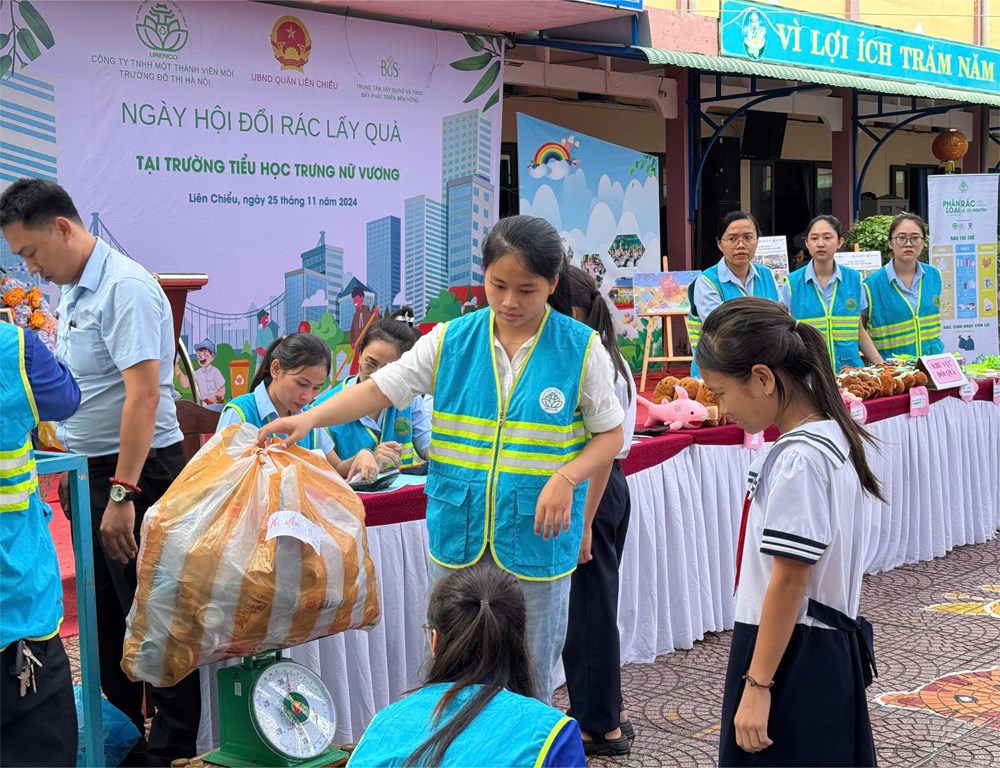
(248, 550)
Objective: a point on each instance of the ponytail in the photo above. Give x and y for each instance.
(293, 352)
(746, 332)
(578, 290)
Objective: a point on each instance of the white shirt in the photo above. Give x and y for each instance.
(626, 393)
(413, 375)
(808, 506)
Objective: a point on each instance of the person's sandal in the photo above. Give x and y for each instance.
(599, 746)
(627, 730)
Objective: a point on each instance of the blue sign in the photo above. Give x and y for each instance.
(774, 35)
(629, 5)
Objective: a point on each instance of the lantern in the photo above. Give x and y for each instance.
(949, 147)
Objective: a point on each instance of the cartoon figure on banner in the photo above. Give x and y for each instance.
(555, 159)
(267, 332)
(208, 378)
(754, 36)
(305, 327)
(362, 314)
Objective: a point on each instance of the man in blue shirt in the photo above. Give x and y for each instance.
(116, 335)
(38, 721)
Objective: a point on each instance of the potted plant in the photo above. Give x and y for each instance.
(872, 234)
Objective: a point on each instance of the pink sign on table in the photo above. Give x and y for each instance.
(943, 371)
(753, 442)
(920, 402)
(858, 411)
(996, 391)
(968, 391)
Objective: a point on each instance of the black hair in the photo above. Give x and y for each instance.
(833, 221)
(357, 291)
(900, 218)
(481, 622)
(745, 332)
(534, 240)
(577, 289)
(737, 216)
(293, 352)
(387, 329)
(36, 203)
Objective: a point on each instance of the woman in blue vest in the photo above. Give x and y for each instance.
(294, 370)
(476, 706)
(734, 276)
(830, 297)
(524, 413)
(904, 297)
(398, 437)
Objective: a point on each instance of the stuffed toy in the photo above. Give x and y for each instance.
(681, 413)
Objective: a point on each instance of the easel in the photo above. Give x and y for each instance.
(668, 343)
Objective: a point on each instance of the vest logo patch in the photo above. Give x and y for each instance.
(852, 304)
(552, 400)
(402, 426)
(937, 301)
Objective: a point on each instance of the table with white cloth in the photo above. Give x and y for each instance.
(941, 478)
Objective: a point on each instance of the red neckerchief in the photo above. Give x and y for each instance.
(743, 535)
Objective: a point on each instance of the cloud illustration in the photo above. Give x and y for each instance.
(544, 205)
(318, 299)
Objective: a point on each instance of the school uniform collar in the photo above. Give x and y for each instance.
(365, 420)
(890, 272)
(811, 273)
(826, 436)
(265, 408)
(726, 274)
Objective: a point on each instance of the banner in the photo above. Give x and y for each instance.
(963, 246)
(317, 167)
(605, 201)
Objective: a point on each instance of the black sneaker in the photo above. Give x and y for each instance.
(627, 730)
(602, 747)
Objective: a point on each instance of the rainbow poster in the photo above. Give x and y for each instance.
(605, 201)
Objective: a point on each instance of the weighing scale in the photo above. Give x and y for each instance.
(274, 712)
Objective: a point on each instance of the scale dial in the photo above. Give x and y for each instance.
(292, 710)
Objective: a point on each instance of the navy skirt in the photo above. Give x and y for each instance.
(819, 710)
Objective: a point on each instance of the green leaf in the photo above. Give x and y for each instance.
(484, 83)
(493, 99)
(6, 63)
(28, 45)
(4, 39)
(472, 63)
(474, 42)
(37, 23)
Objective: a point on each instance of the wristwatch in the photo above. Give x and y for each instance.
(122, 492)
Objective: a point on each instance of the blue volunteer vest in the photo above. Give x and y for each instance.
(839, 322)
(511, 730)
(30, 587)
(348, 439)
(764, 287)
(490, 459)
(895, 327)
(246, 407)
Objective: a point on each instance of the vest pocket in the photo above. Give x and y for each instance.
(530, 549)
(448, 518)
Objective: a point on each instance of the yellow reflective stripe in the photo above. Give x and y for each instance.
(24, 373)
(10, 466)
(437, 358)
(547, 746)
(477, 458)
(24, 485)
(16, 451)
(548, 441)
(236, 408)
(484, 427)
(16, 502)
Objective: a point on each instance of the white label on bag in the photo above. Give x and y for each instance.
(294, 524)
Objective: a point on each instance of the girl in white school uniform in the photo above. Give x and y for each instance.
(524, 413)
(592, 653)
(801, 657)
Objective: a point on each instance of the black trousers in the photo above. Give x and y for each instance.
(592, 653)
(174, 730)
(40, 727)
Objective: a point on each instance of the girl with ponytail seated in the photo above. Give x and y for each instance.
(476, 707)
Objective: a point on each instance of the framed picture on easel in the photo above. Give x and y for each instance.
(658, 297)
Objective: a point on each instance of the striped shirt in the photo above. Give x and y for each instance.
(808, 505)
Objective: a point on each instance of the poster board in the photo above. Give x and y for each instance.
(864, 262)
(772, 252)
(662, 293)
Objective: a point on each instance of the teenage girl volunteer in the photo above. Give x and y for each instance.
(592, 654)
(800, 660)
(517, 390)
(830, 297)
(294, 370)
(475, 706)
(734, 276)
(904, 297)
(397, 437)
